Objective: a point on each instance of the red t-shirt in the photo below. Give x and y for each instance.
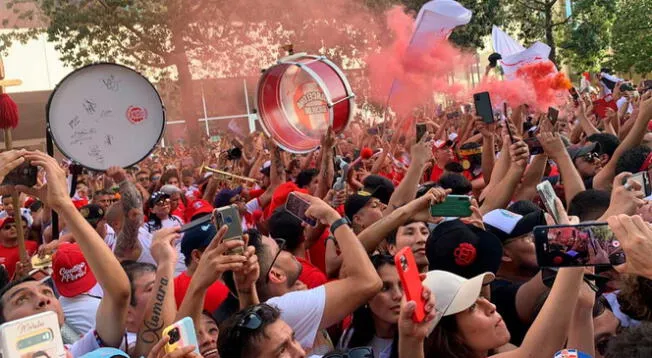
(436, 173)
(215, 295)
(310, 275)
(9, 256)
(317, 252)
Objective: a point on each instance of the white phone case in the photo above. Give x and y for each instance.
(34, 336)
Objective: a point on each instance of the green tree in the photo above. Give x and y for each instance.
(485, 14)
(186, 39)
(632, 37)
(583, 36)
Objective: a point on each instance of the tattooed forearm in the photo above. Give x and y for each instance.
(151, 330)
(277, 165)
(132, 208)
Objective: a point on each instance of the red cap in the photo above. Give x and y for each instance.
(29, 202)
(79, 203)
(71, 274)
(6, 220)
(198, 206)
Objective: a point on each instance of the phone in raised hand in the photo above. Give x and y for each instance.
(298, 207)
(483, 107)
(182, 334)
(577, 245)
(548, 196)
(229, 216)
(408, 272)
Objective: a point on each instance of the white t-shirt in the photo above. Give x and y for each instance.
(382, 346)
(621, 102)
(86, 344)
(303, 311)
(110, 236)
(80, 311)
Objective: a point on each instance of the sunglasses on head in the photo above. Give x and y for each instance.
(358, 352)
(251, 322)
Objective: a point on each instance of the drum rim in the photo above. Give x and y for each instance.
(56, 88)
(293, 61)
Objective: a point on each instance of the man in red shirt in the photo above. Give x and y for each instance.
(443, 154)
(283, 225)
(9, 253)
(193, 244)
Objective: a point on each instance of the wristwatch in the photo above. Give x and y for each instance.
(339, 222)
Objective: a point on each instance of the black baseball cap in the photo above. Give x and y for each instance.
(462, 249)
(92, 213)
(382, 187)
(197, 238)
(356, 202)
(156, 197)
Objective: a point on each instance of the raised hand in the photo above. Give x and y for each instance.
(55, 193)
(117, 174)
(162, 248)
(408, 329)
(158, 351)
(246, 277)
(319, 210)
(9, 161)
(635, 237)
(213, 262)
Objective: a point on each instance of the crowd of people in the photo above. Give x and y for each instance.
(116, 268)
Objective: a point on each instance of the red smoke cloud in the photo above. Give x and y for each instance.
(418, 73)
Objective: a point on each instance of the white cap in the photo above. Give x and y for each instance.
(453, 293)
(502, 219)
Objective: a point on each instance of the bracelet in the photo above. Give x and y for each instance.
(339, 222)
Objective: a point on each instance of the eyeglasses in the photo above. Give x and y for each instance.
(358, 352)
(251, 321)
(281, 246)
(9, 227)
(590, 157)
(143, 179)
(163, 202)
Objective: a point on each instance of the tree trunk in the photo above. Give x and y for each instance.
(550, 39)
(187, 109)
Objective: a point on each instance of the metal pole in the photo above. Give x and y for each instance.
(203, 101)
(250, 119)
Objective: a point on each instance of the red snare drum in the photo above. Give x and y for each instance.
(300, 97)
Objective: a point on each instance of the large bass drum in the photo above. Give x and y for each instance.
(300, 97)
(104, 115)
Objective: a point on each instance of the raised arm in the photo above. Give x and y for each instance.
(603, 179)
(161, 309)
(528, 188)
(102, 262)
(555, 149)
(420, 154)
(326, 170)
(276, 175)
(502, 193)
(361, 283)
(127, 246)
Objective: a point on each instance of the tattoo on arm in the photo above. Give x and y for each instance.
(151, 331)
(277, 161)
(131, 200)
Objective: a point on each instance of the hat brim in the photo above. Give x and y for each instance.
(465, 297)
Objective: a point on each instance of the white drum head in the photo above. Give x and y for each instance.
(105, 115)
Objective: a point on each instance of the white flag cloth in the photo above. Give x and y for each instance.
(437, 19)
(503, 43)
(514, 55)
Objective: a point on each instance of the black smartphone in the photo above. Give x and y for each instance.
(553, 115)
(372, 131)
(483, 107)
(534, 145)
(577, 245)
(575, 95)
(421, 131)
(509, 131)
(297, 207)
(25, 174)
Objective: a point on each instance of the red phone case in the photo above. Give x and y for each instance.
(412, 286)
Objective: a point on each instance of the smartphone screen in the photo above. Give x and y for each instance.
(409, 274)
(454, 206)
(553, 115)
(24, 174)
(577, 245)
(483, 107)
(297, 207)
(421, 130)
(548, 196)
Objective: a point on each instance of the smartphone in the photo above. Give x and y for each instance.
(25, 174)
(548, 196)
(575, 95)
(453, 115)
(509, 131)
(454, 206)
(182, 334)
(372, 131)
(577, 245)
(34, 336)
(534, 145)
(297, 207)
(642, 178)
(197, 222)
(483, 107)
(553, 115)
(421, 131)
(229, 216)
(412, 286)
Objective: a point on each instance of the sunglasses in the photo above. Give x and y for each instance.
(251, 322)
(9, 227)
(358, 352)
(281, 246)
(143, 179)
(163, 202)
(590, 157)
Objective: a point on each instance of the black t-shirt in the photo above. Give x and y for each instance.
(503, 295)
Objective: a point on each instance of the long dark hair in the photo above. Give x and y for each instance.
(363, 322)
(444, 341)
